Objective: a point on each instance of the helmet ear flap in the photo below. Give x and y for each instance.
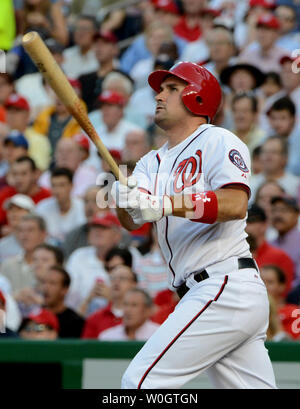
(192, 99)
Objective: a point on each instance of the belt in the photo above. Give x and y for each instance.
(244, 262)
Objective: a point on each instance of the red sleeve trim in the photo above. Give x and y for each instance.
(141, 189)
(242, 185)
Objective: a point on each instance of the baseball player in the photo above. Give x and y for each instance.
(196, 188)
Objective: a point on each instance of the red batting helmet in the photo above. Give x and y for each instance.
(202, 95)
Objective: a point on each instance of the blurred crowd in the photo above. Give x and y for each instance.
(67, 267)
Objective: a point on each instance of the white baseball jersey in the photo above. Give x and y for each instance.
(208, 159)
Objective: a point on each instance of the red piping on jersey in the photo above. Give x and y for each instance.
(243, 186)
(141, 189)
(182, 331)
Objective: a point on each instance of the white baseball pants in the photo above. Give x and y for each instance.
(219, 326)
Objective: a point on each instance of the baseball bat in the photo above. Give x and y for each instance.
(54, 75)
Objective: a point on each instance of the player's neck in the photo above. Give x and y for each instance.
(180, 133)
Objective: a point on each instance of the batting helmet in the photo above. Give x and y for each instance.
(202, 95)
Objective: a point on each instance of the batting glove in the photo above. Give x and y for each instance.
(153, 208)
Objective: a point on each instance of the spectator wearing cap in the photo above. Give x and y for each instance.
(18, 117)
(78, 237)
(41, 325)
(24, 176)
(104, 233)
(265, 52)
(54, 288)
(287, 17)
(284, 218)
(245, 117)
(282, 119)
(111, 124)
(5, 332)
(242, 77)
(274, 157)
(122, 279)
(106, 51)
(123, 84)
(56, 122)
(16, 207)
(18, 270)
(136, 324)
(275, 282)
(263, 252)
(68, 154)
(80, 59)
(15, 146)
(62, 212)
(38, 93)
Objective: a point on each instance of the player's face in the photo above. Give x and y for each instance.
(170, 109)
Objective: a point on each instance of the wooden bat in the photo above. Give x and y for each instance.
(47, 65)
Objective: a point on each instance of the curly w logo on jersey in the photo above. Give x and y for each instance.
(188, 172)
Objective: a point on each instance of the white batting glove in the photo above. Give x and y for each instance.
(153, 208)
(126, 196)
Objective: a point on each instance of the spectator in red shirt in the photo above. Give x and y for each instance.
(262, 251)
(24, 175)
(188, 26)
(275, 281)
(122, 279)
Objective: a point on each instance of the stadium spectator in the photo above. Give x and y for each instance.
(6, 89)
(274, 280)
(274, 156)
(291, 80)
(24, 175)
(256, 162)
(106, 51)
(284, 217)
(68, 154)
(122, 279)
(41, 325)
(275, 331)
(287, 17)
(242, 77)
(4, 166)
(265, 52)
(117, 256)
(221, 50)
(245, 117)
(112, 125)
(136, 325)
(86, 264)
(55, 287)
(263, 252)
(271, 86)
(18, 270)
(15, 145)
(62, 212)
(282, 119)
(136, 145)
(44, 256)
(18, 117)
(56, 122)
(80, 59)
(265, 193)
(38, 93)
(16, 208)
(5, 332)
(188, 27)
(78, 237)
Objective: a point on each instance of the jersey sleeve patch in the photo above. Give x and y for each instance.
(237, 159)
